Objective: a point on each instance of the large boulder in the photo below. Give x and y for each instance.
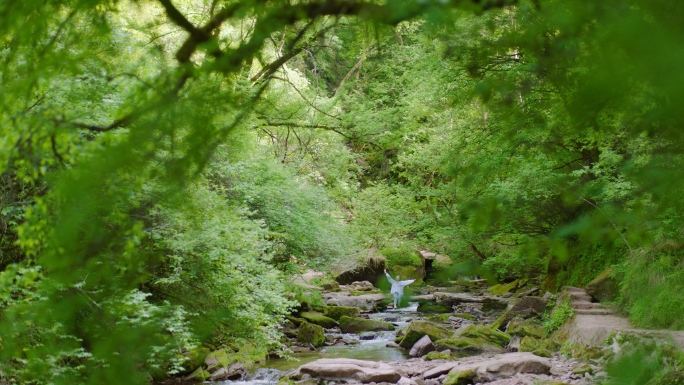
(367, 267)
(485, 333)
(319, 319)
(363, 302)
(194, 359)
(218, 359)
(604, 287)
(311, 334)
(236, 371)
(417, 329)
(526, 307)
(344, 369)
(422, 347)
(467, 345)
(499, 367)
(335, 312)
(526, 327)
(356, 325)
(455, 299)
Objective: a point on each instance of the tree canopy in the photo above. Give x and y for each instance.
(166, 166)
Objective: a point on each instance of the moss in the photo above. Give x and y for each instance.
(219, 359)
(543, 353)
(501, 289)
(467, 345)
(335, 312)
(483, 332)
(581, 369)
(438, 318)
(535, 345)
(437, 356)
(416, 330)
(434, 308)
(467, 316)
(460, 377)
(319, 319)
(604, 287)
(310, 333)
(295, 320)
(199, 375)
(523, 328)
(409, 272)
(195, 358)
(356, 325)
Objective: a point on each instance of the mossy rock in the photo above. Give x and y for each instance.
(438, 318)
(526, 327)
(531, 344)
(543, 353)
(408, 272)
(199, 375)
(487, 334)
(336, 312)
(434, 308)
(296, 321)
(356, 325)
(502, 289)
(582, 369)
(218, 359)
(312, 334)
(526, 307)
(437, 356)
(460, 377)
(673, 377)
(604, 287)
(195, 358)
(319, 319)
(417, 329)
(466, 345)
(467, 316)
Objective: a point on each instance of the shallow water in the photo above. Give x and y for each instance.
(372, 350)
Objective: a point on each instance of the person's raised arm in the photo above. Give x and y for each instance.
(389, 277)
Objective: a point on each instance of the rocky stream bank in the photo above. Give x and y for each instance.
(464, 333)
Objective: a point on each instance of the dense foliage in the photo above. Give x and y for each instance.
(167, 166)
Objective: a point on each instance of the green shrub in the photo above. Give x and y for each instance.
(402, 255)
(557, 317)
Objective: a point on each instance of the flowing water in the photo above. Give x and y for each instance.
(371, 346)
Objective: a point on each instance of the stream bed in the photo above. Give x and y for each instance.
(371, 346)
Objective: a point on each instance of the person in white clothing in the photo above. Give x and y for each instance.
(397, 289)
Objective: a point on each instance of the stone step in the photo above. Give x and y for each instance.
(595, 311)
(584, 305)
(571, 289)
(577, 296)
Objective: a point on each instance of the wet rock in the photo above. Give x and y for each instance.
(236, 371)
(319, 319)
(331, 286)
(422, 347)
(604, 287)
(416, 330)
(310, 333)
(343, 369)
(582, 369)
(355, 325)
(433, 308)
(335, 312)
